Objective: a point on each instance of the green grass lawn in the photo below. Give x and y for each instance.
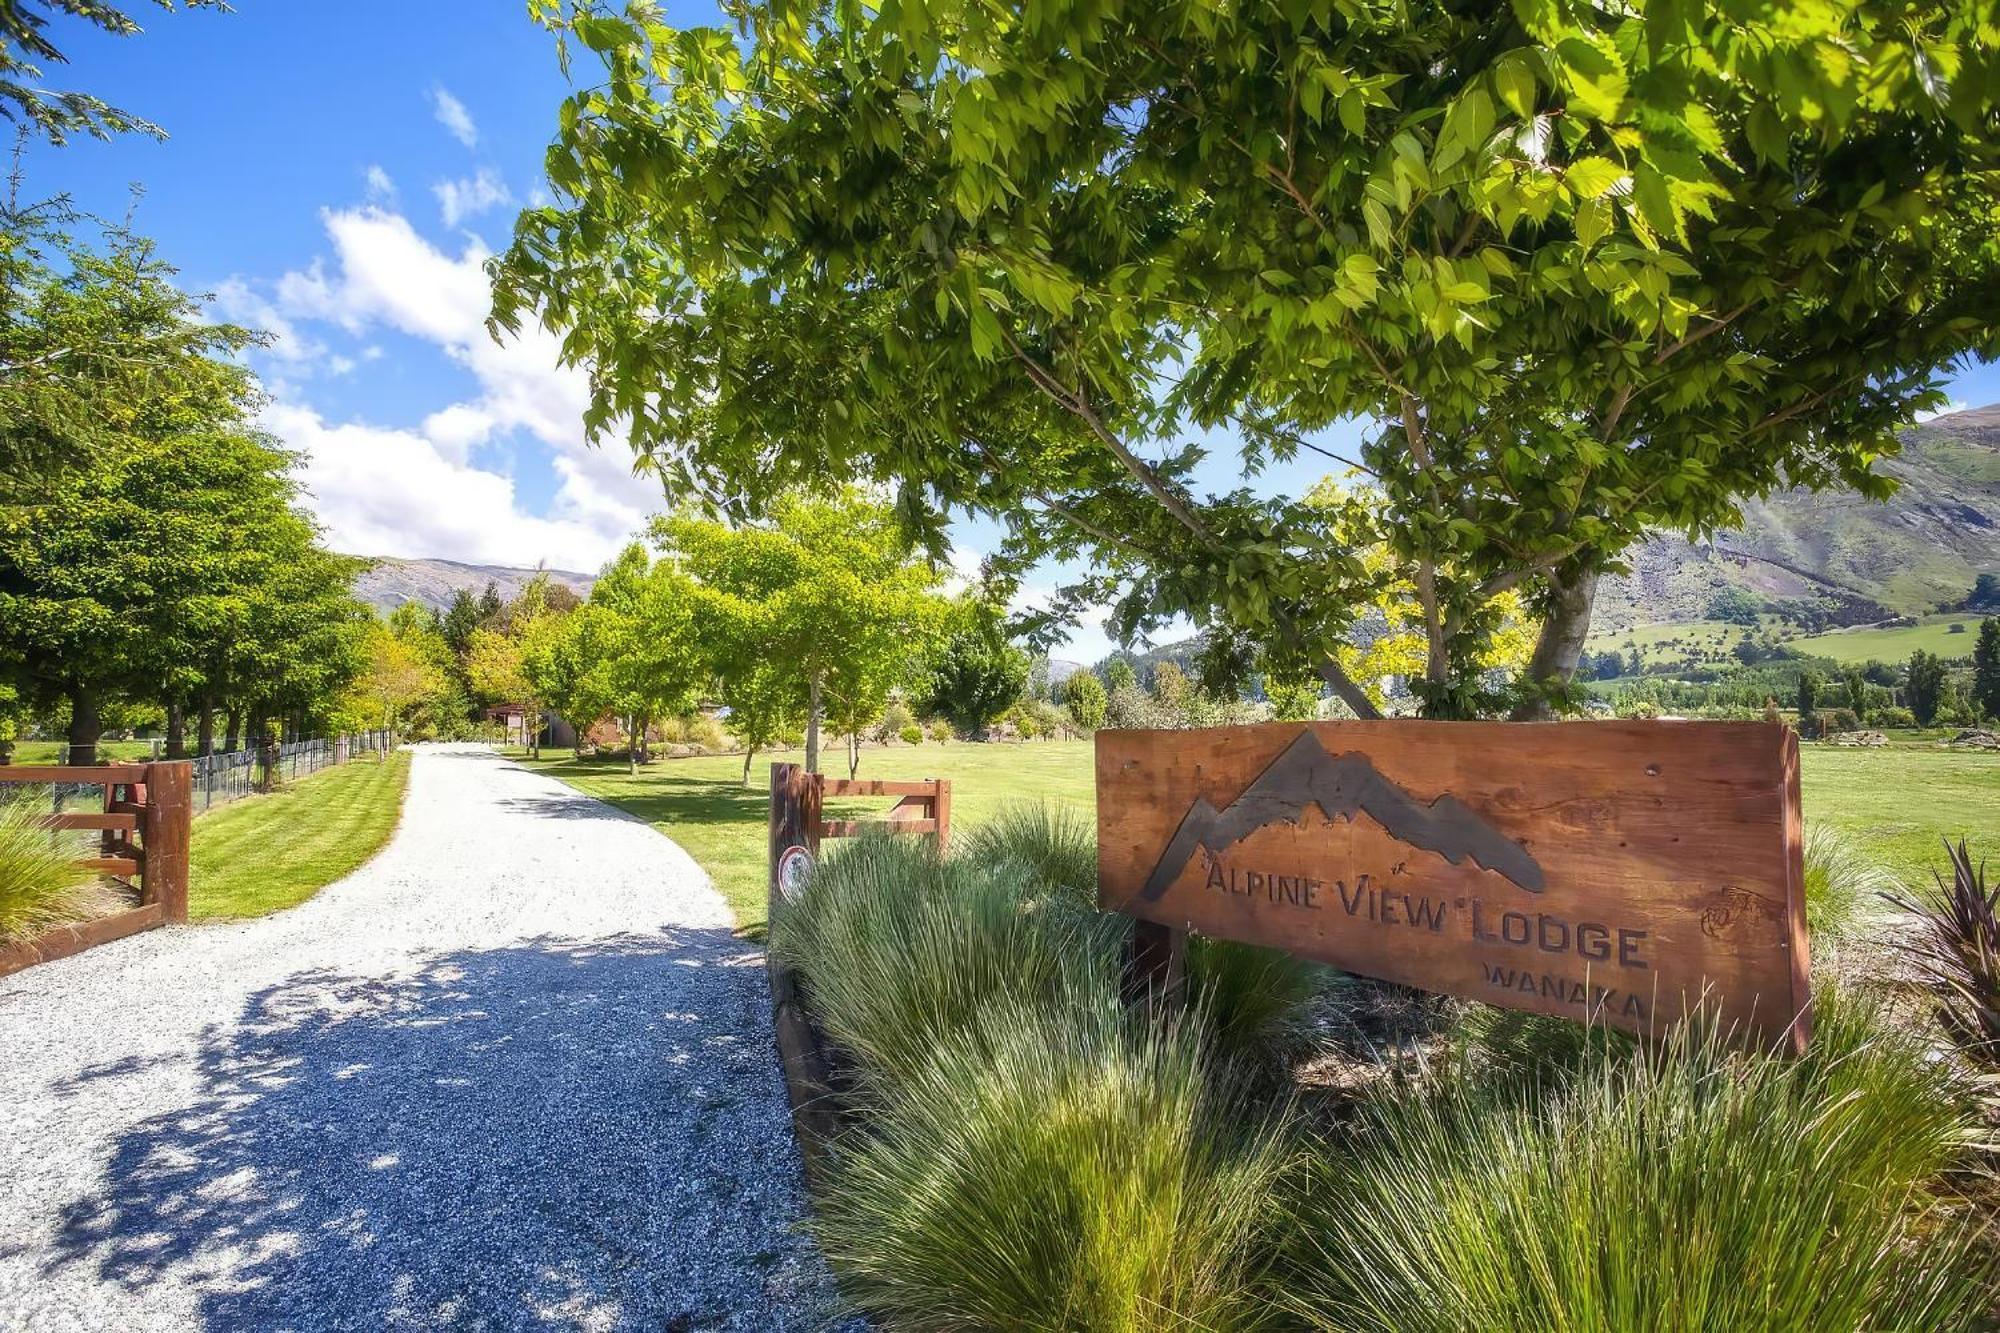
(44, 752)
(702, 804)
(1932, 634)
(1900, 801)
(264, 853)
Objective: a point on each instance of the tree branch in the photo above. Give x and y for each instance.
(1141, 471)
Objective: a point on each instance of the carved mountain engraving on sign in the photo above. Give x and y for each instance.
(1607, 872)
(1341, 786)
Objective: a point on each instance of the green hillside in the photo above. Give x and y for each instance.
(1817, 563)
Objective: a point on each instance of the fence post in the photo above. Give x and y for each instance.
(1156, 967)
(164, 832)
(941, 811)
(795, 810)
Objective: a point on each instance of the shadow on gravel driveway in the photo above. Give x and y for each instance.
(554, 1135)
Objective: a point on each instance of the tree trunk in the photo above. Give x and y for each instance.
(177, 732)
(1347, 690)
(813, 709)
(1573, 592)
(233, 733)
(205, 727)
(749, 753)
(85, 726)
(853, 753)
(631, 745)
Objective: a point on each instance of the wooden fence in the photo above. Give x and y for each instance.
(152, 803)
(797, 826)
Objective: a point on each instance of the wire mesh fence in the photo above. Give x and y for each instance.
(231, 775)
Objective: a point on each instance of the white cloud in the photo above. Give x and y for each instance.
(380, 186)
(418, 490)
(470, 196)
(451, 114)
(1955, 405)
(239, 303)
(390, 492)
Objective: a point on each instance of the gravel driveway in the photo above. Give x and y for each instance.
(513, 1073)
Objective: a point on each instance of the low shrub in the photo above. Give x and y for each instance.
(911, 734)
(1687, 1187)
(1841, 879)
(939, 730)
(901, 947)
(41, 886)
(1064, 1170)
(697, 729)
(897, 720)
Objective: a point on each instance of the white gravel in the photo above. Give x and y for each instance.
(513, 1073)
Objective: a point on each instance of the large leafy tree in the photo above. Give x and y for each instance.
(978, 674)
(1581, 271)
(1986, 669)
(652, 656)
(97, 345)
(826, 595)
(168, 570)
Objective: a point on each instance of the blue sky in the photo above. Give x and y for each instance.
(335, 173)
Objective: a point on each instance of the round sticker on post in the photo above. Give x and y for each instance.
(795, 866)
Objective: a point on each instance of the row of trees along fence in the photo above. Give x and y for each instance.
(144, 822)
(230, 775)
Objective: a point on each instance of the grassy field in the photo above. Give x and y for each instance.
(703, 805)
(1900, 801)
(1932, 634)
(44, 752)
(265, 853)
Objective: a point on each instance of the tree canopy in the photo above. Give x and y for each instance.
(173, 569)
(1579, 272)
(826, 595)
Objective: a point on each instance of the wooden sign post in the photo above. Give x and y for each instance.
(1610, 872)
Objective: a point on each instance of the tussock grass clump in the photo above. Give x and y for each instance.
(1686, 1187)
(1054, 842)
(1841, 880)
(1251, 1001)
(1065, 1171)
(41, 887)
(901, 947)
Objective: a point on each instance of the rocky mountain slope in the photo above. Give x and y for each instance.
(391, 582)
(1859, 560)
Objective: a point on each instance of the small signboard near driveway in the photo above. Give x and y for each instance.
(1611, 872)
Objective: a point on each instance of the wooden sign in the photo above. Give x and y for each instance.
(1612, 872)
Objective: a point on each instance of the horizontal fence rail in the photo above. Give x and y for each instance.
(144, 820)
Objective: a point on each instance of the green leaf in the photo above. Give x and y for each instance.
(1593, 177)
(1514, 80)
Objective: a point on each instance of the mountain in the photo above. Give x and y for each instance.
(390, 582)
(1341, 786)
(1836, 558)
